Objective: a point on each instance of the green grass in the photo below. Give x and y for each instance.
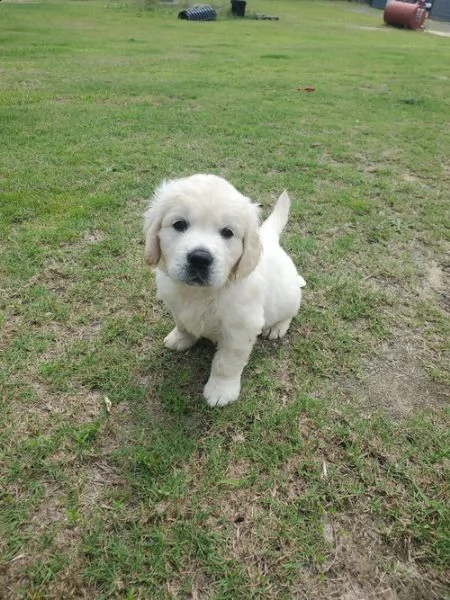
(329, 477)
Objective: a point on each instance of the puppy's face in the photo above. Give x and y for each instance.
(201, 231)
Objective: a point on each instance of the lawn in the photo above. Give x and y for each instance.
(328, 479)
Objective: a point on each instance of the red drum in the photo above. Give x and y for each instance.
(403, 14)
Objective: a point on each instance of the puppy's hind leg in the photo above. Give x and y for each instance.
(277, 330)
(179, 339)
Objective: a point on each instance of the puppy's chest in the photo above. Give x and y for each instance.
(197, 311)
(199, 317)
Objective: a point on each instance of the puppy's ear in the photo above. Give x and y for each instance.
(252, 248)
(152, 225)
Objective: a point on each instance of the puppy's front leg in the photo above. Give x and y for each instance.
(224, 383)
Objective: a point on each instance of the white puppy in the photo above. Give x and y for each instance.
(221, 275)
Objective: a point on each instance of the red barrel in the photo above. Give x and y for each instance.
(403, 14)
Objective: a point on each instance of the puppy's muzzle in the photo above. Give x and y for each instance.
(199, 263)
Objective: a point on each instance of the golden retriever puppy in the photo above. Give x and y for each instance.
(222, 276)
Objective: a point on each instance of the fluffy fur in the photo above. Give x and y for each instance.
(221, 275)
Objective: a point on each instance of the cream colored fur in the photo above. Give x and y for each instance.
(250, 287)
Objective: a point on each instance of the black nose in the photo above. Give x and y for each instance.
(200, 259)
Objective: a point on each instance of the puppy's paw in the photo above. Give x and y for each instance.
(221, 391)
(276, 331)
(179, 340)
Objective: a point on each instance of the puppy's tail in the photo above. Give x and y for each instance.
(276, 221)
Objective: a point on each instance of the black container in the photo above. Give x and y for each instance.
(238, 8)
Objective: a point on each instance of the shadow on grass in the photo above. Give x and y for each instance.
(169, 421)
(172, 423)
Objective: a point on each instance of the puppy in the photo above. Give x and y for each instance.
(221, 275)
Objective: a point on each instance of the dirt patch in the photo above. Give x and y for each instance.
(101, 477)
(396, 381)
(436, 284)
(361, 567)
(50, 408)
(409, 177)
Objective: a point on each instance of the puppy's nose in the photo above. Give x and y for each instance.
(200, 259)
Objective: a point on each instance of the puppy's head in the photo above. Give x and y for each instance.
(201, 231)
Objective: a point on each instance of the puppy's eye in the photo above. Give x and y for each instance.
(180, 225)
(227, 233)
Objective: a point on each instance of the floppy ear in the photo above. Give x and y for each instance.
(152, 225)
(252, 249)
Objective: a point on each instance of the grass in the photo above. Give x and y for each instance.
(329, 478)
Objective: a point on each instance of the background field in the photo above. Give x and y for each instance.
(329, 477)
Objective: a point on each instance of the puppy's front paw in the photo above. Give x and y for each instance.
(179, 340)
(221, 391)
(276, 331)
